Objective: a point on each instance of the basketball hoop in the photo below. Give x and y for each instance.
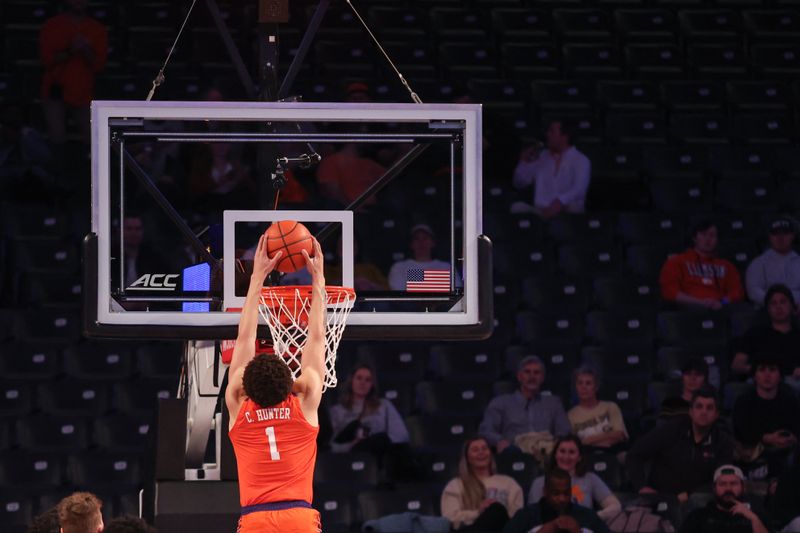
(285, 309)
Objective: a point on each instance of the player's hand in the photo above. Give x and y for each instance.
(315, 264)
(262, 263)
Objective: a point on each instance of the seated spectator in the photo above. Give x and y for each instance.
(780, 338)
(766, 421)
(512, 421)
(598, 424)
(366, 275)
(362, 421)
(480, 499)
(560, 175)
(80, 512)
(588, 489)
(726, 513)
(683, 452)
(694, 375)
(555, 512)
(128, 524)
(362, 416)
(345, 174)
(698, 278)
(780, 264)
(784, 505)
(423, 243)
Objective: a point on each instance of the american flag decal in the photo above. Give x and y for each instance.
(427, 280)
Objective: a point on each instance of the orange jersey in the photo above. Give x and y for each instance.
(709, 277)
(276, 449)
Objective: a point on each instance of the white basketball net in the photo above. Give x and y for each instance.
(285, 309)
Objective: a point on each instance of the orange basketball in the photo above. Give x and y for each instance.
(290, 237)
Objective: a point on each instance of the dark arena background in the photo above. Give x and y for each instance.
(619, 220)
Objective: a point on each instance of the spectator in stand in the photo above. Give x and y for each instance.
(480, 499)
(766, 421)
(726, 513)
(513, 421)
(423, 243)
(598, 424)
(23, 149)
(128, 524)
(784, 505)
(80, 512)
(73, 48)
(363, 421)
(560, 175)
(683, 452)
(588, 489)
(140, 258)
(694, 376)
(697, 277)
(555, 512)
(780, 338)
(778, 265)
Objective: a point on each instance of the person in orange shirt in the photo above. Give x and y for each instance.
(697, 277)
(73, 48)
(274, 421)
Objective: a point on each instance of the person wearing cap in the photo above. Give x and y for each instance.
(779, 264)
(697, 277)
(694, 375)
(780, 337)
(683, 452)
(523, 411)
(423, 243)
(726, 513)
(560, 175)
(766, 420)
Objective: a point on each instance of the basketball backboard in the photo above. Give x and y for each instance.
(392, 191)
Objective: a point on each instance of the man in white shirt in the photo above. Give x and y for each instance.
(422, 244)
(780, 264)
(560, 175)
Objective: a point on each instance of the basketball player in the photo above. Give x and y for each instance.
(273, 421)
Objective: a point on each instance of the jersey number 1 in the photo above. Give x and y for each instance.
(274, 454)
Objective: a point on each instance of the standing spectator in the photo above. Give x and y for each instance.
(780, 338)
(683, 452)
(766, 420)
(423, 243)
(560, 175)
(80, 512)
(780, 264)
(694, 376)
(73, 49)
(588, 489)
(598, 424)
(510, 419)
(480, 499)
(346, 173)
(726, 513)
(697, 277)
(555, 512)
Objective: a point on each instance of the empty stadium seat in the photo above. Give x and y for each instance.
(676, 327)
(718, 61)
(682, 196)
(31, 472)
(352, 468)
(692, 95)
(522, 467)
(620, 325)
(336, 508)
(624, 292)
(531, 61)
(16, 398)
(109, 472)
(646, 25)
(123, 433)
(375, 504)
(593, 61)
(98, 360)
(698, 128)
(548, 293)
(452, 397)
(676, 162)
(710, 25)
(73, 397)
(640, 128)
(48, 433)
(607, 467)
(29, 361)
(548, 325)
(628, 95)
(655, 61)
(441, 431)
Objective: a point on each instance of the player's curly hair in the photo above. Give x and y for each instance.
(267, 380)
(80, 511)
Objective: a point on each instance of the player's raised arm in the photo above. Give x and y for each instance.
(245, 350)
(312, 360)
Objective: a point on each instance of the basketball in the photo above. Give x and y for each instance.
(290, 237)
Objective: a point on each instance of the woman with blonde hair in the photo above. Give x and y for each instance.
(480, 499)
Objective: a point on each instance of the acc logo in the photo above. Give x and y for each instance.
(160, 282)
